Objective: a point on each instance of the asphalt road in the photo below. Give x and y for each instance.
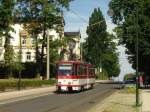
(64, 102)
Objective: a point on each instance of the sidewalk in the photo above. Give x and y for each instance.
(23, 93)
(35, 91)
(29, 92)
(146, 100)
(119, 101)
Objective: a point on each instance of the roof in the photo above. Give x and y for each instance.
(68, 62)
(77, 62)
(72, 34)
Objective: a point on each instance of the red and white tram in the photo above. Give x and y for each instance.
(74, 76)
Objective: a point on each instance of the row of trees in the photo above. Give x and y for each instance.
(132, 18)
(100, 48)
(37, 16)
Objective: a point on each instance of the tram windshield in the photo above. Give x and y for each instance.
(65, 69)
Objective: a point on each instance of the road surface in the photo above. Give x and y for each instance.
(64, 102)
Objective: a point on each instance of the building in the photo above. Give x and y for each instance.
(23, 39)
(73, 48)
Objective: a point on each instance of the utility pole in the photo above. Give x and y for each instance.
(81, 55)
(20, 53)
(137, 57)
(48, 58)
(110, 12)
(101, 66)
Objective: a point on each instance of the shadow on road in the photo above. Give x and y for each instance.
(71, 92)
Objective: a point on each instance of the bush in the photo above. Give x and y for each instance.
(13, 83)
(102, 76)
(3, 72)
(130, 89)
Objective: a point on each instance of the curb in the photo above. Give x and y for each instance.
(23, 93)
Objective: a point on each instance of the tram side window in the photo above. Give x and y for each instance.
(85, 71)
(91, 71)
(80, 70)
(75, 69)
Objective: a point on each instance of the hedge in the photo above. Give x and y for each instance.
(28, 72)
(13, 83)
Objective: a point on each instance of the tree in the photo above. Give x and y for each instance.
(130, 76)
(111, 61)
(96, 37)
(39, 16)
(133, 18)
(99, 48)
(6, 20)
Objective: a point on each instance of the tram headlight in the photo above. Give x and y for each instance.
(75, 82)
(59, 83)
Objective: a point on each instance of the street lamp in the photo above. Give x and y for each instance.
(48, 55)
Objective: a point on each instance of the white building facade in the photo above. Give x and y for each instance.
(74, 38)
(21, 38)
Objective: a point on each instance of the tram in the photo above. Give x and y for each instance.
(74, 76)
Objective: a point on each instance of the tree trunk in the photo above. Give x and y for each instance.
(37, 55)
(42, 51)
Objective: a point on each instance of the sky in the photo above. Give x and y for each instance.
(77, 20)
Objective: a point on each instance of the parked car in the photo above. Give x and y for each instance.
(127, 83)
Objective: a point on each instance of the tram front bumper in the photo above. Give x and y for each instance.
(62, 88)
(68, 88)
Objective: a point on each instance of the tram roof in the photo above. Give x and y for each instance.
(76, 62)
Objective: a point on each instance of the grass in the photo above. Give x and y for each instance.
(102, 76)
(120, 101)
(13, 83)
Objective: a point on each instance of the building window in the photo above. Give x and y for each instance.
(28, 56)
(23, 41)
(1, 51)
(1, 42)
(33, 41)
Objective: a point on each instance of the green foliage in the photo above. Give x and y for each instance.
(17, 62)
(54, 47)
(65, 42)
(12, 61)
(130, 89)
(99, 48)
(9, 59)
(133, 18)
(130, 76)
(102, 75)
(13, 83)
(6, 19)
(38, 17)
(9, 56)
(96, 37)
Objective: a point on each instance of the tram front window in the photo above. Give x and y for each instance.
(65, 69)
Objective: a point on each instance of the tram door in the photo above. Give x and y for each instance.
(87, 74)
